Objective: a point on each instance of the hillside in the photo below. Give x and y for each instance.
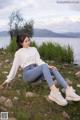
(48, 33)
(25, 101)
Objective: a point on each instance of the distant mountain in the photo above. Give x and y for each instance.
(44, 33)
(48, 33)
(4, 33)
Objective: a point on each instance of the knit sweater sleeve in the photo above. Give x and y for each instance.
(39, 61)
(14, 68)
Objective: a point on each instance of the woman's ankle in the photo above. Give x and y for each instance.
(52, 86)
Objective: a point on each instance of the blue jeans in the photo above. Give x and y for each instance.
(34, 72)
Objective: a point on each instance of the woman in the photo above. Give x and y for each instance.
(28, 59)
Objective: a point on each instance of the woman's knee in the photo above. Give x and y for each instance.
(53, 70)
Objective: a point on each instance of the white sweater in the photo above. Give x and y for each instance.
(24, 57)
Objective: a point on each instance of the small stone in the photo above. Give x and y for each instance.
(18, 92)
(8, 103)
(19, 75)
(5, 72)
(78, 85)
(2, 99)
(30, 94)
(77, 74)
(15, 98)
(69, 72)
(7, 61)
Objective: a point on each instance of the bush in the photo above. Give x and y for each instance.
(53, 51)
(12, 46)
(33, 44)
(48, 51)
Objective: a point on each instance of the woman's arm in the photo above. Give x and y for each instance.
(13, 70)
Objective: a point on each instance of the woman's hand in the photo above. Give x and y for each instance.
(4, 85)
(51, 66)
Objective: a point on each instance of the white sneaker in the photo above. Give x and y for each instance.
(71, 95)
(56, 96)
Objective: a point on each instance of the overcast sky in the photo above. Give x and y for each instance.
(55, 15)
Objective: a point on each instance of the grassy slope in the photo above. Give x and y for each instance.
(37, 108)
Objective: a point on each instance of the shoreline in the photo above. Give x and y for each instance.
(61, 41)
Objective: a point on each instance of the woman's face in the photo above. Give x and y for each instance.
(26, 42)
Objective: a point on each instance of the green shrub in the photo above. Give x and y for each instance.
(48, 51)
(33, 44)
(12, 46)
(54, 51)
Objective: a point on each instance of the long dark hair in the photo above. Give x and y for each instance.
(20, 39)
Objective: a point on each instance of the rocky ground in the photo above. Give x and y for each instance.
(25, 101)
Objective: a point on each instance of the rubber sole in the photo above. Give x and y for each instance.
(55, 100)
(72, 99)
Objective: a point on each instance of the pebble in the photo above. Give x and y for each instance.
(5, 72)
(8, 103)
(15, 98)
(19, 75)
(7, 61)
(78, 85)
(30, 94)
(77, 74)
(2, 99)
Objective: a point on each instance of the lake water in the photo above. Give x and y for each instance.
(73, 42)
(4, 41)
